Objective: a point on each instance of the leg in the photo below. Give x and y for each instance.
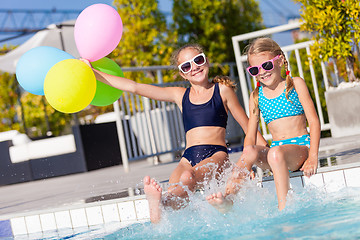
(195, 176)
(153, 195)
(211, 167)
(153, 191)
(250, 156)
(183, 174)
(282, 159)
(190, 177)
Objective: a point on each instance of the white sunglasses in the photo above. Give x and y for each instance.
(199, 60)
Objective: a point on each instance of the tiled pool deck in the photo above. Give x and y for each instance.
(90, 199)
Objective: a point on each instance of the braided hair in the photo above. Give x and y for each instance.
(225, 80)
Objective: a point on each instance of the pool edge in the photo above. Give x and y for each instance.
(135, 209)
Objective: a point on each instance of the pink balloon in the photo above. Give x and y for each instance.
(97, 31)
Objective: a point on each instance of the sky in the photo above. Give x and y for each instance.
(274, 12)
(61, 4)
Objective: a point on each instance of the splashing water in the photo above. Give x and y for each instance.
(309, 214)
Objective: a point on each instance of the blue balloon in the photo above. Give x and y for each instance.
(33, 66)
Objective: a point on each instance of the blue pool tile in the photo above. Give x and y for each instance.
(5, 229)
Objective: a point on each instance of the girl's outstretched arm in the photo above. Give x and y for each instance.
(310, 165)
(169, 94)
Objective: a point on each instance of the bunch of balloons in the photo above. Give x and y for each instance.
(69, 84)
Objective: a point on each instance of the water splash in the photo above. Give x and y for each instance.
(308, 214)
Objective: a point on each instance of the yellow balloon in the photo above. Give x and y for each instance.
(70, 86)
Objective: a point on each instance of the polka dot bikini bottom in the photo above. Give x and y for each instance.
(303, 140)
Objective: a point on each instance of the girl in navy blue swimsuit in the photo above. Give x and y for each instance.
(205, 107)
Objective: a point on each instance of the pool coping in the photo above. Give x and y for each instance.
(137, 197)
(135, 209)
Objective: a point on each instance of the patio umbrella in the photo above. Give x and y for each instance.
(60, 36)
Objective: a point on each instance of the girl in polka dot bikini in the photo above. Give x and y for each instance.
(285, 105)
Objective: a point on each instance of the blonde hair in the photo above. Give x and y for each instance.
(218, 79)
(176, 53)
(225, 80)
(260, 45)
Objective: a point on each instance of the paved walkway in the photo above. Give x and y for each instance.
(109, 182)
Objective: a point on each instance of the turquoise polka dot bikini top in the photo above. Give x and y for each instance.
(279, 107)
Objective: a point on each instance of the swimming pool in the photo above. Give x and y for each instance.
(310, 214)
(324, 206)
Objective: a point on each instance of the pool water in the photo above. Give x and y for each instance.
(310, 214)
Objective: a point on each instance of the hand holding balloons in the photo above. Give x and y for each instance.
(105, 94)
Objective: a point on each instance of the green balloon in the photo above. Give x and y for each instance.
(105, 94)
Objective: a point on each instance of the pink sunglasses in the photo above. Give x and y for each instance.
(267, 66)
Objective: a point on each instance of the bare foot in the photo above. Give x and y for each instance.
(153, 193)
(218, 201)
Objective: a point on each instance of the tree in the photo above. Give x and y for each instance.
(25, 112)
(336, 28)
(9, 119)
(213, 23)
(40, 117)
(146, 39)
(342, 69)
